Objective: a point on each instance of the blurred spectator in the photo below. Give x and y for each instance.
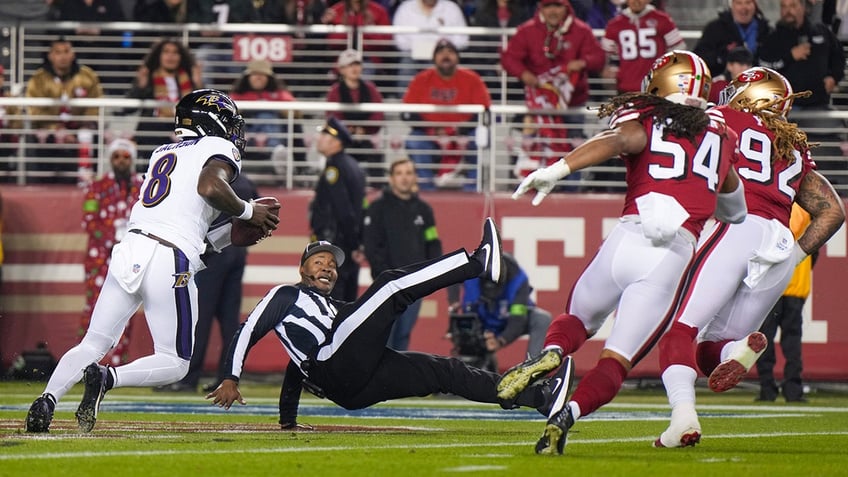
(505, 308)
(90, 46)
(358, 13)
(336, 211)
(106, 209)
(811, 58)
(502, 13)
(8, 138)
(739, 59)
(440, 142)
(552, 54)
(27, 10)
(310, 46)
(636, 37)
(416, 49)
(742, 24)
(90, 11)
(213, 51)
(160, 11)
(600, 12)
(351, 88)
(787, 314)
(267, 130)
(496, 14)
(61, 77)
(399, 230)
(219, 296)
(167, 73)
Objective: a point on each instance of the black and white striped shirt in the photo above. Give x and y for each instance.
(301, 316)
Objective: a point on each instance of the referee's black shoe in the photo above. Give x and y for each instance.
(489, 253)
(94, 378)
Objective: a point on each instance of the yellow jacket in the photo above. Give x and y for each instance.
(799, 285)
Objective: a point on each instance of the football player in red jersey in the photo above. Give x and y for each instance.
(637, 36)
(679, 173)
(730, 289)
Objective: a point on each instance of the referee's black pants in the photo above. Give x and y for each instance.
(356, 369)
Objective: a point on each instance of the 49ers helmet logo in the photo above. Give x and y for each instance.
(751, 76)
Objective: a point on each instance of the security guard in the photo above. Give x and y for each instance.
(336, 211)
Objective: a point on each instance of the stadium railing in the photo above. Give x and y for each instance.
(305, 58)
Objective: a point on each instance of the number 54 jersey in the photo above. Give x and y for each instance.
(169, 205)
(770, 183)
(691, 171)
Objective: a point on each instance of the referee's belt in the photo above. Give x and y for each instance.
(153, 237)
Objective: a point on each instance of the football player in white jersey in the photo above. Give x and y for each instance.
(186, 186)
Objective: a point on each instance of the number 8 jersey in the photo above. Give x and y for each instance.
(171, 180)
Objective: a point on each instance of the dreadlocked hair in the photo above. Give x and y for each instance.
(787, 136)
(683, 121)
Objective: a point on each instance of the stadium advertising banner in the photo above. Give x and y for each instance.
(43, 293)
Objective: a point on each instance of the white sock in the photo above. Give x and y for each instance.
(727, 349)
(575, 410)
(679, 382)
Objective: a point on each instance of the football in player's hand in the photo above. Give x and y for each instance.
(245, 234)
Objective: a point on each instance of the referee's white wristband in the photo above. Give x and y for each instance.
(248, 211)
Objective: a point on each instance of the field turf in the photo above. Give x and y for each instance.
(143, 433)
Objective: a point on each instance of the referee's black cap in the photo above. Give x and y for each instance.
(323, 246)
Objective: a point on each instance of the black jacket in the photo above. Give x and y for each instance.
(721, 35)
(399, 232)
(826, 59)
(336, 210)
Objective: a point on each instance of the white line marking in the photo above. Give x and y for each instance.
(289, 450)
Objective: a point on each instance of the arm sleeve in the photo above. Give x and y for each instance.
(731, 207)
(290, 394)
(267, 314)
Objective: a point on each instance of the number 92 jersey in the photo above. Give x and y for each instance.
(770, 186)
(690, 171)
(169, 205)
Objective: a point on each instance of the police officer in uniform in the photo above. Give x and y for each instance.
(337, 209)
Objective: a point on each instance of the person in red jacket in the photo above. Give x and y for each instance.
(439, 142)
(553, 54)
(359, 13)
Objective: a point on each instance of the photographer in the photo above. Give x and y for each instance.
(505, 308)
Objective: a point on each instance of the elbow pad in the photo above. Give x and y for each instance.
(731, 207)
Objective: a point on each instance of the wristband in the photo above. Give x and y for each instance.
(248, 211)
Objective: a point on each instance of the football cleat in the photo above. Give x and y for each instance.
(517, 378)
(94, 378)
(745, 353)
(40, 414)
(556, 432)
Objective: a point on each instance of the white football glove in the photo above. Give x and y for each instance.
(543, 180)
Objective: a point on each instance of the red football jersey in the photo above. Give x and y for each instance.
(638, 40)
(691, 172)
(770, 187)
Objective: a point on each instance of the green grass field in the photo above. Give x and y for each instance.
(142, 433)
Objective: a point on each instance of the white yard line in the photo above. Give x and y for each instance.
(291, 450)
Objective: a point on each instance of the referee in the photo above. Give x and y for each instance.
(340, 349)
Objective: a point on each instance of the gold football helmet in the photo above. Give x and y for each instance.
(680, 77)
(755, 85)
